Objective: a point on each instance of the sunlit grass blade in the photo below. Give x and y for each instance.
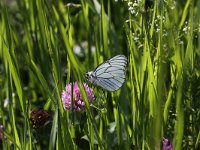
(52, 140)
(46, 46)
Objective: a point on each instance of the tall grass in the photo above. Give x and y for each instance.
(45, 45)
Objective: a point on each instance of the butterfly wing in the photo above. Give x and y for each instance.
(110, 75)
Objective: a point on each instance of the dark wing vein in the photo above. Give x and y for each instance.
(110, 75)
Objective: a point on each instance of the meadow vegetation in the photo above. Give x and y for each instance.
(47, 44)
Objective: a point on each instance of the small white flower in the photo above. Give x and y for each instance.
(157, 30)
(130, 3)
(163, 18)
(130, 8)
(180, 42)
(185, 29)
(165, 34)
(135, 4)
(136, 38)
(132, 11)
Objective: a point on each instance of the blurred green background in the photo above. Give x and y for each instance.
(46, 44)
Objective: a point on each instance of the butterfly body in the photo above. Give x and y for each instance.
(109, 75)
(91, 76)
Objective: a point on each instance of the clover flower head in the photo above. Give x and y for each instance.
(78, 102)
(167, 145)
(39, 117)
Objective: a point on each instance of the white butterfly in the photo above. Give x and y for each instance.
(109, 75)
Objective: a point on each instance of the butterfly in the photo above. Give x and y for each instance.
(109, 75)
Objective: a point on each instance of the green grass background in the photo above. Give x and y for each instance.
(44, 45)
